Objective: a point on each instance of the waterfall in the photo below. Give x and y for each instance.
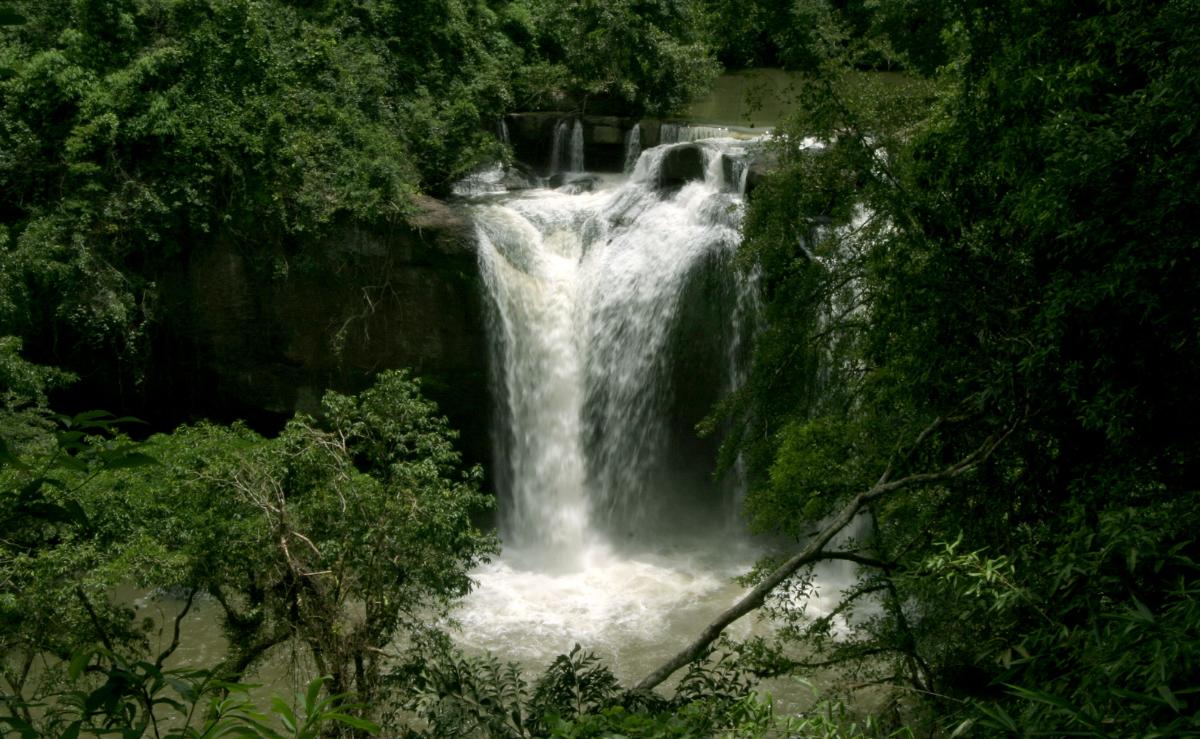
(587, 295)
(502, 132)
(576, 164)
(677, 133)
(566, 148)
(633, 146)
(616, 318)
(557, 143)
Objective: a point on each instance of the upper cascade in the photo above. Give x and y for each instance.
(566, 148)
(550, 143)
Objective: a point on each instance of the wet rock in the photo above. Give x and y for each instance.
(758, 172)
(651, 128)
(607, 135)
(573, 182)
(332, 315)
(680, 165)
(531, 135)
(520, 176)
(435, 224)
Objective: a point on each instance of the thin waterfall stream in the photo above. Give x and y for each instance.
(617, 319)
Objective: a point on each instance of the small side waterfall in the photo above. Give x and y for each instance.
(502, 132)
(633, 146)
(566, 148)
(576, 164)
(557, 144)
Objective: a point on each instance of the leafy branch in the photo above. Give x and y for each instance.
(814, 551)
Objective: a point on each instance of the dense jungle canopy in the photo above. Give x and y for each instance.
(980, 340)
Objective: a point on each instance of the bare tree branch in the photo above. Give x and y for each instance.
(175, 638)
(814, 551)
(860, 560)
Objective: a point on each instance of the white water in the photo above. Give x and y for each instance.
(566, 148)
(677, 133)
(633, 146)
(615, 535)
(576, 162)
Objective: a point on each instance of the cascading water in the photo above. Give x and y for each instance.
(557, 143)
(675, 133)
(616, 320)
(566, 148)
(576, 161)
(586, 293)
(633, 146)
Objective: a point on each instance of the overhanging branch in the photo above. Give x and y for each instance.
(814, 551)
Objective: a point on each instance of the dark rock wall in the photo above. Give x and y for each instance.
(265, 338)
(532, 134)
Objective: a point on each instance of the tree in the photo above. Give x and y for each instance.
(56, 568)
(1008, 267)
(872, 35)
(631, 57)
(136, 134)
(341, 534)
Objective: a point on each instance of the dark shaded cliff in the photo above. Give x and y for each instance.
(261, 337)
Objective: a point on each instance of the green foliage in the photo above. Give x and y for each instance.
(800, 35)
(1108, 643)
(134, 133)
(23, 383)
(1005, 248)
(341, 533)
(112, 696)
(55, 565)
(627, 56)
(577, 696)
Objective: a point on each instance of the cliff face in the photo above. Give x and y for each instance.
(260, 333)
(266, 339)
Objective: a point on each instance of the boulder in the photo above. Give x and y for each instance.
(574, 182)
(680, 165)
(758, 171)
(520, 176)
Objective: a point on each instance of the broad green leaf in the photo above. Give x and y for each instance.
(129, 460)
(313, 694)
(285, 713)
(353, 722)
(79, 662)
